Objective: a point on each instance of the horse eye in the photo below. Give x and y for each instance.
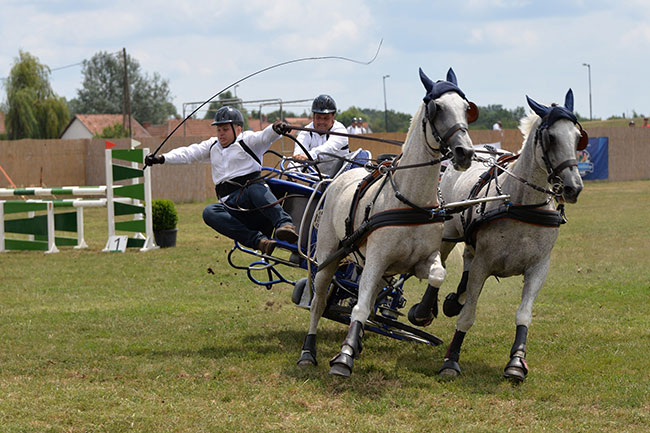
(551, 140)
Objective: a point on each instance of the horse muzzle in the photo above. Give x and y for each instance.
(462, 157)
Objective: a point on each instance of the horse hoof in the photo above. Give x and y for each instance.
(449, 370)
(451, 307)
(340, 370)
(341, 365)
(517, 369)
(514, 373)
(306, 359)
(424, 321)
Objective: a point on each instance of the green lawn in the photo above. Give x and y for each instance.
(153, 342)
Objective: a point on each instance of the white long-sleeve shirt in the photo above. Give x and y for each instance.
(230, 162)
(317, 144)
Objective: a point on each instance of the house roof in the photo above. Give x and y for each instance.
(96, 123)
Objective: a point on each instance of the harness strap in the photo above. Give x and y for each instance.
(523, 213)
(397, 217)
(362, 187)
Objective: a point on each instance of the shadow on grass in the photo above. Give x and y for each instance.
(385, 365)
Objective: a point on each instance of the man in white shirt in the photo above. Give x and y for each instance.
(236, 159)
(319, 145)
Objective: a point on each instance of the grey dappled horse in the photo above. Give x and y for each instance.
(516, 238)
(440, 126)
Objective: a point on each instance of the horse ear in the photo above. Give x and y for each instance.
(472, 113)
(539, 109)
(451, 77)
(568, 100)
(583, 142)
(428, 84)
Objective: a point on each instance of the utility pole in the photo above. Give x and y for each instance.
(589, 71)
(385, 106)
(127, 97)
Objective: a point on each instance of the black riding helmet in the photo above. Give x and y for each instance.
(323, 104)
(229, 115)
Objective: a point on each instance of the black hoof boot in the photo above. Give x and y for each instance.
(449, 369)
(308, 354)
(423, 313)
(341, 364)
(516, 369)
(451, 307)
(419, 321)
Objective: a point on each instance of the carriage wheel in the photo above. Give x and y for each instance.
(384, 326)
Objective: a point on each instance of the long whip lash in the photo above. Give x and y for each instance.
(277, 65)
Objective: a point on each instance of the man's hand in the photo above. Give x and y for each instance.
(300, 157)
(281, 127)
(154, 159)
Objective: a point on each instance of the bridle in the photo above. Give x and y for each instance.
(543, 138)
(442, 139)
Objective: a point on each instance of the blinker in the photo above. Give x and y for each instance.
(472, 113)
(583, 142)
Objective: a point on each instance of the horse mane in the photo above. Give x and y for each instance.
(415, 122)
(526, 126)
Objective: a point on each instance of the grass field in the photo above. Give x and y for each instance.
(153, 342)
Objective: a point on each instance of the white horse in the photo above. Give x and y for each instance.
(514, 238)
(439, 127)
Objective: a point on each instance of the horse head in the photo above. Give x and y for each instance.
(450, 112)
(560, 135)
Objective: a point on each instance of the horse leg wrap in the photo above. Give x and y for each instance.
(423, 313)
(517, 368)
(451, 367)
(451, 307)
(308, 354)
(520, 340)
(341, 364)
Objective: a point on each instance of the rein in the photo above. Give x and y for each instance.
(344, 134)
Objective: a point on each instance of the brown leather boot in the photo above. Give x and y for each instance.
(287, 233)
(266, 246)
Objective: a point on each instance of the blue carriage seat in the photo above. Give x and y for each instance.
(299, 194)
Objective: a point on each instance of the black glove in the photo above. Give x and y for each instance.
(281, 127)
(154, 159)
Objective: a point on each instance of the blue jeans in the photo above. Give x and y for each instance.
(247, 228)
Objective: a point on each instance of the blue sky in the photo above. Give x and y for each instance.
(501, 50)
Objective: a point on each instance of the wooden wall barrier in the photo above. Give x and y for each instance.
(81, 162)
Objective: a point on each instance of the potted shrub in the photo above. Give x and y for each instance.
(164, 219)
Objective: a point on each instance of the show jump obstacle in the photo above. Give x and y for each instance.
(119, 200)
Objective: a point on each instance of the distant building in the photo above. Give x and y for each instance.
(90, 125)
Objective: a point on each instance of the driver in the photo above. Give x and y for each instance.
(236, 159)
(324, 113)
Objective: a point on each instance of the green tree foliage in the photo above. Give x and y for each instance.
(102, 90)
(34, 110)
(491, 114)
(376, 119)
(116, 130)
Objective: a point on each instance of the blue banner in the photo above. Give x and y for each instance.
(593, 162)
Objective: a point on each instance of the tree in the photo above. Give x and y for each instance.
(491, 114)
(116, 130)
(397, 122)
(34, 110)
(102, 90)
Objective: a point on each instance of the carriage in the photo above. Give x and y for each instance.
(301, 189)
